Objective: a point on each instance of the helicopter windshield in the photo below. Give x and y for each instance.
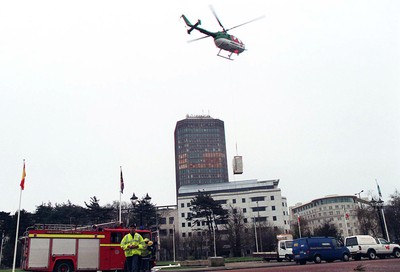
(236, 39)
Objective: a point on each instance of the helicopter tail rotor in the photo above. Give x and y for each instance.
(194, 26)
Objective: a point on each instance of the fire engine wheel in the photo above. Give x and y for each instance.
(64, 266)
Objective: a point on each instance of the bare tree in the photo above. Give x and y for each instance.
(235, 231)
(392, 213)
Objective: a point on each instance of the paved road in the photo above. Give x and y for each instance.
(384, 265)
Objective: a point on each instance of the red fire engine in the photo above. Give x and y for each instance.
(60, 248)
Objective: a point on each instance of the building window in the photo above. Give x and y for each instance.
(258, 198)
(243, 200)
(258, 209)
(183, 225)
(171, 220)
(189, 224)
(183, 234)
(182, 205)
(234, 201)
(272, 197)
(273, 208)
(244, 210)
(190, 234)
(182, 214)
(274, 218)
(162, 220)
(245, 220)
(188, 204)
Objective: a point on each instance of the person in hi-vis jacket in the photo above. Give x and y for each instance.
(132, 245)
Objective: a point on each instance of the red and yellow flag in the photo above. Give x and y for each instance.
(22, 184)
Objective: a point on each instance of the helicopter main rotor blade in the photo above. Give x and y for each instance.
(194, 40)
(256, 19)
(216, 17)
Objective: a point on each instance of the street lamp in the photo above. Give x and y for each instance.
(359, 194)
(147, 197)
(140, 203)
(213, 226)
(259, 226)
(359, 197)
(255, 232)
(134, 199)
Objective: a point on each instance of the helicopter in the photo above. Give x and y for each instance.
(222, 39)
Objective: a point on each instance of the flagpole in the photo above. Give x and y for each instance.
(16, 232)
(22, 185)
(384, 223)
(120, 184)
(120, 211)
(383, 213)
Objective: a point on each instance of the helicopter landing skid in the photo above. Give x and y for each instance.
(225, 57)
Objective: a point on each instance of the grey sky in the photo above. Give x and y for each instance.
(89, 86)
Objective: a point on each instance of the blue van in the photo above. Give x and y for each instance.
(319, 248)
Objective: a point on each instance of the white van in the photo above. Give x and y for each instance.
(368, 246)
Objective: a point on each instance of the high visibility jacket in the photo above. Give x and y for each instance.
(148, 251)
(128, 240)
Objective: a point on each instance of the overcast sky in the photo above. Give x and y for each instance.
(89, 86)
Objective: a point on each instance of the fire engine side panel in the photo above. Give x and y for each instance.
(39, 250)
(88, 254)
(64, 247)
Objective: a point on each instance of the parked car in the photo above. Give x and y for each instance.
(318, 249)
(368, 246)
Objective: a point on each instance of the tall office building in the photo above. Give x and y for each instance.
(200, 151)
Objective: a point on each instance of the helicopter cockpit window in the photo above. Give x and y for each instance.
(236, 39)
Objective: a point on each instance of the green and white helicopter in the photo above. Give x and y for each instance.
(222, 39)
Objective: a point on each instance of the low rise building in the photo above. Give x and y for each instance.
(259, 201)
(340, 210)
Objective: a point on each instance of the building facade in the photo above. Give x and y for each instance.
(200, 151)
(259, 201)
(340, 210)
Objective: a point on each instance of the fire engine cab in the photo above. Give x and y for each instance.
(63, 248)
